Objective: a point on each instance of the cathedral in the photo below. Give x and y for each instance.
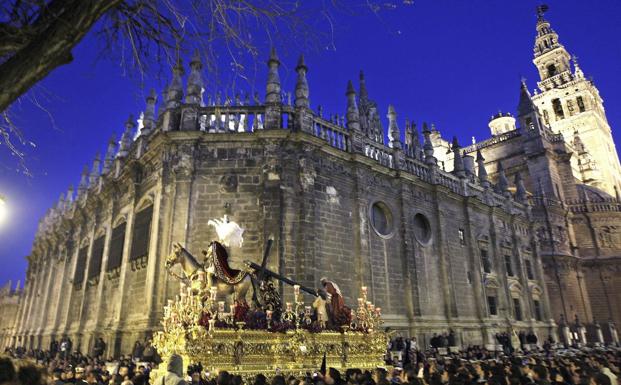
(518, 232)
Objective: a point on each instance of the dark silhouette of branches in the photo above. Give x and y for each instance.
(38, 36)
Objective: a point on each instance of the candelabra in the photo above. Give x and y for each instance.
(367, 316)
(298, 306)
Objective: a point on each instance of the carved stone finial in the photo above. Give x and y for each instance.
(458, 162)
(109, 158)
(83, 185)
(301, 85)
(428, 146)
(353, 115)
(194, 90)
(272, 95)
(126, 138)
(174, 93)
(482, 171)
(364, 94)
(520, 190)
(503, 183)
(394, 135)
(148, 120)
(95, 172)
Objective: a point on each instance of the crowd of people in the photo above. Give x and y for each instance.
(472, 366)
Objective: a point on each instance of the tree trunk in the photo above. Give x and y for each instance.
(51, 47)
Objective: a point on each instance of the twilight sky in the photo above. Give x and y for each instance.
(450, 62)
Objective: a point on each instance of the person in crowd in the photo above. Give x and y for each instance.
(79, 376)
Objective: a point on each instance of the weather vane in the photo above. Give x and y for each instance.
(541, 9)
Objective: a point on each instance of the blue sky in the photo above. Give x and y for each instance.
(453, 63)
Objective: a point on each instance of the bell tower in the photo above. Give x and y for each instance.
(571, 105)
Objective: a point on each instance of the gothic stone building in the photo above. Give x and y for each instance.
(441, 243)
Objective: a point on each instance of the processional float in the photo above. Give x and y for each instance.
(234, 320)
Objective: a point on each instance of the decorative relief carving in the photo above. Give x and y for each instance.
(307, 174)
(608, 237)
(228, 183)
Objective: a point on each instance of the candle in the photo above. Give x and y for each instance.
(289, 306)
(201, 276)
(296, 290)
(177, 298)
(213, 291)
(360, 302)
(378, 310)
(307, 309)
(364, 290)
(189, 291)
(170, 303)
(221, 306)
(233, 307)
(268, 313)
(212, 324)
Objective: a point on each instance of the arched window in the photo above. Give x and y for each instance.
(117, 240)
(142, 234)
(551, 70)
(78, 278)
(558, 108)
(517, 309)
(537, 309)
(95, 266)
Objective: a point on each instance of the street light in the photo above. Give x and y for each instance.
(3, 209)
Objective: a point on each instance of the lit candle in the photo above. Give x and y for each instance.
(213, 291)
(268, 313)
(360, 302)
(296, 290)
(289, 306)
(221, 306)
(378, 310)
(364, 290)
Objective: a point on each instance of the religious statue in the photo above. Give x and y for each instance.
(338, 313)
(232, 284)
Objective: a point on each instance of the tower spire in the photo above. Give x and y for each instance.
(551, 58)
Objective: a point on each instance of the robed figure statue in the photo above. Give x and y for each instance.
(338, 313)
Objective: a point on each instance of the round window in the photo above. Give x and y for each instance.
(381, 219)
(422, 228)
